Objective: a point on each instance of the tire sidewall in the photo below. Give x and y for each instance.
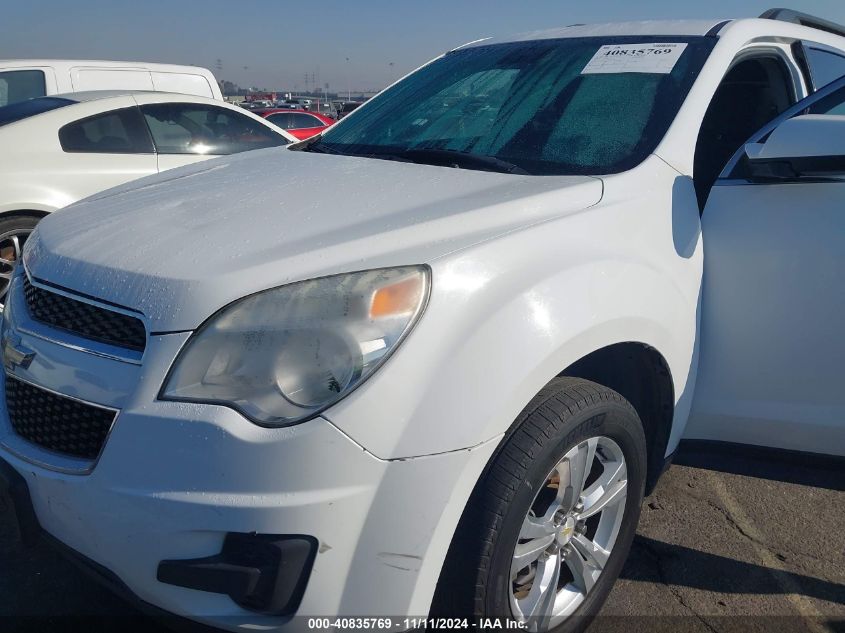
(18, 222)
(609, 419)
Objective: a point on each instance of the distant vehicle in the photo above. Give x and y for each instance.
(22, 79)
(299, 123)
(59, 149)
(325, 108)
(284, 105)
(300, 101)
(346, 107)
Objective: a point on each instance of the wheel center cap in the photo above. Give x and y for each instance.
(567, 529)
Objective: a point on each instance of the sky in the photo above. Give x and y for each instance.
(357, 44)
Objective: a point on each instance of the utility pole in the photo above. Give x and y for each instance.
(348, 84)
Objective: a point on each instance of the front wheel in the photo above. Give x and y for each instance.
(549, 525)
(14, 231)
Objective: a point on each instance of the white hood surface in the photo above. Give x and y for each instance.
(179, 246)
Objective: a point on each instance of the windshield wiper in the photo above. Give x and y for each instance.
(423, 156)
(313, 144)
(460, 160)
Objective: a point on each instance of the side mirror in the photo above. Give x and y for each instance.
(808, 147)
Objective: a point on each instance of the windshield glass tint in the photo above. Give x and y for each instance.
(26, 109)
(527, 104)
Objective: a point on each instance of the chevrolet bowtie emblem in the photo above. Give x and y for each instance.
(15, 354)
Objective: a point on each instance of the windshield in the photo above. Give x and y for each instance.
(537, 107)
(25, 109)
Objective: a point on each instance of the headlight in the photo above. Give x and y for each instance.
(281, 356)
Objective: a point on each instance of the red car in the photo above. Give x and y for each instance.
(301, 123)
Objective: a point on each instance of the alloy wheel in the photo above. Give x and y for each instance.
(11, 247)
(568, 534)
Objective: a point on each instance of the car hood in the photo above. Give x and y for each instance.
(179, 246)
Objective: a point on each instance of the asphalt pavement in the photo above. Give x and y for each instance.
(718, 550)
(755, 545)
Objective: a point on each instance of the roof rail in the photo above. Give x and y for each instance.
(804, 19)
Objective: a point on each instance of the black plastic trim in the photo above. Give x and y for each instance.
(57, 423)
(260, 572)
(655, 474)
(799, 169)
(84, 319)
(799, 53)
(714, 32)
(76, 293)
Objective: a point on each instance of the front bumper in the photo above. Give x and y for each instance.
(382, 527)
(174, 479)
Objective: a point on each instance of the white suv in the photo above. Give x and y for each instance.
(431, 363)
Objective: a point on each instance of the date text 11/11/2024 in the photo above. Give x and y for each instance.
(383, 623)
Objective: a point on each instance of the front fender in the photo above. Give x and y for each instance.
(507, 316)
(470, 367)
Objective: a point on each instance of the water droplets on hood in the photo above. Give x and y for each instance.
(201, 237)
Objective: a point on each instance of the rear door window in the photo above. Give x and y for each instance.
(826, 66)
(189, 128)
(305, 121)
(20, 85)
(117, 132)
(282, 119)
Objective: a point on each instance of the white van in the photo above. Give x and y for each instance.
(22, 79)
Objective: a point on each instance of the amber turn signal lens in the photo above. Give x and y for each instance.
(399, 298)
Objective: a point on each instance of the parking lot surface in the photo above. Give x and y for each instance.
(717, 550)
(727, 551)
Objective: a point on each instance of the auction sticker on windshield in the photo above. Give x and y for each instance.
(635, 58)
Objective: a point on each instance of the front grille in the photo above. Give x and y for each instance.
(57, 423)
(84, 319)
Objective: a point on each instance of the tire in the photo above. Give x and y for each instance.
(14, 229)
(509, 502)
